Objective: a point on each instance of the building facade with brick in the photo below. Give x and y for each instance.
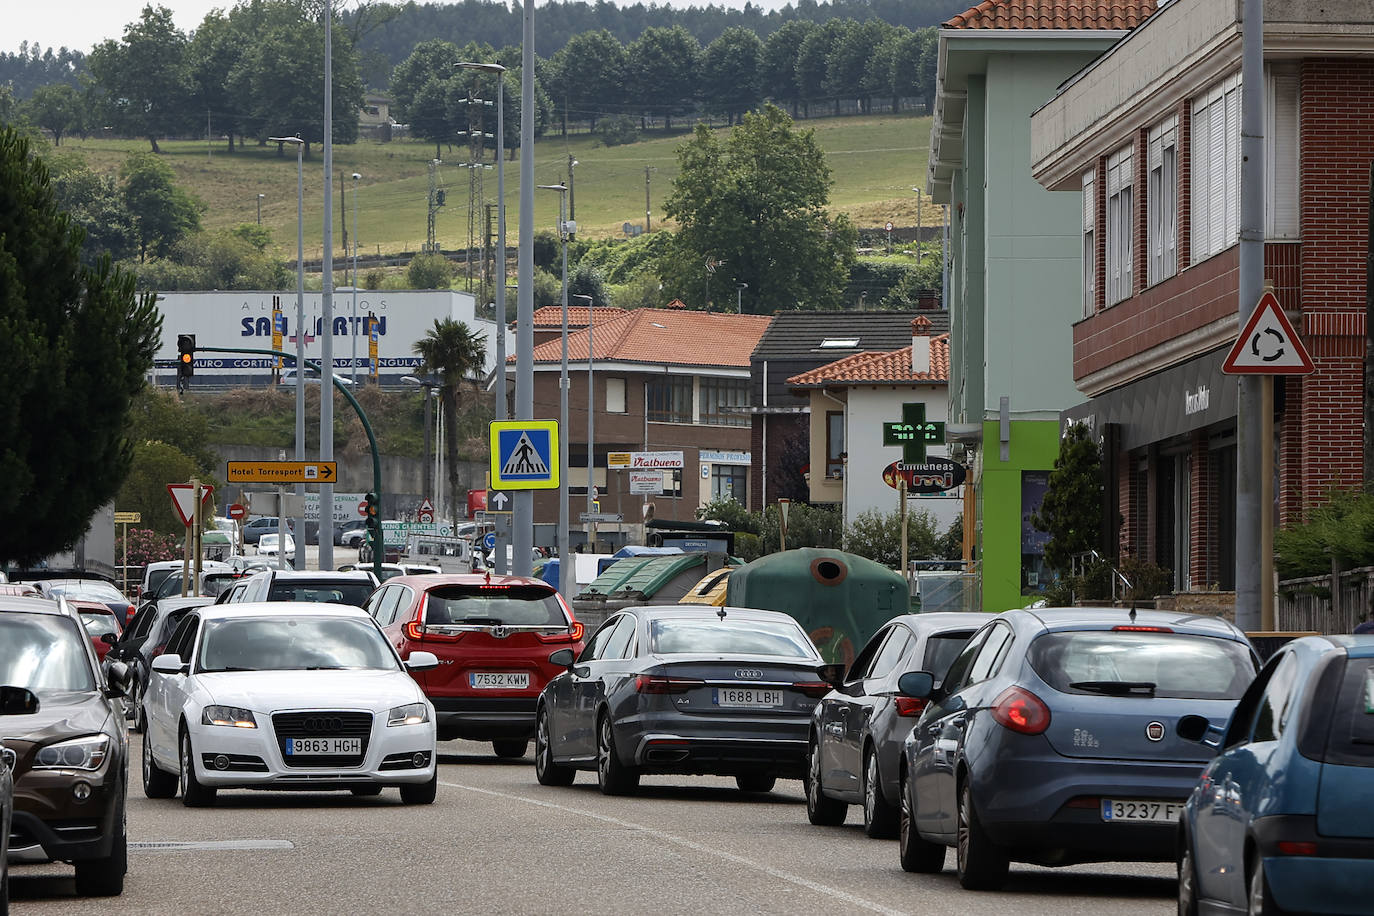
(1149, 136)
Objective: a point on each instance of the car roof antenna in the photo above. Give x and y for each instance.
(721, 612)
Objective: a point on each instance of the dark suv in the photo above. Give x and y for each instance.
(70, 756)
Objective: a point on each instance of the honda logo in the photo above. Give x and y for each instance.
(752, 674)
(323, 724)
(500, 632)
(1155, 731)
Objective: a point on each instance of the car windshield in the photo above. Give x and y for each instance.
(354, 594)
(1162, 664)
(155, 578)
(43, 653)
(281, 643)
(98, 623)
(93, 589)
(497, 605)
(685, 636)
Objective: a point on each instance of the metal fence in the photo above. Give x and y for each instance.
(948, 591)
(1325, 604)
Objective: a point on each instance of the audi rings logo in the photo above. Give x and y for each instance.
(748, 673)
(1155, 731)
(323, 724)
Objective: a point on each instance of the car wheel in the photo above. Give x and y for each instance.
(756, 782)
(193, 793)
(1187, 882)
(614, 777)
(366, 791)
(880, 818)
(421, 793)
(545, 770)
(157, 783)
(105, 877)
(1261, 902)
(510, 748)
(916, 854)
(982, 865)
(821, 809)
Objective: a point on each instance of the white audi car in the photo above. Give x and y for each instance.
(286, 695)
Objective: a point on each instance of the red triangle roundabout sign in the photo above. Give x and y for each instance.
(1268, 344)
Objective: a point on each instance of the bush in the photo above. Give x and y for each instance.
(1147, 579)
(1340, 530)
(618, 130)
(373, 278)
(878, 536)
(429, 271)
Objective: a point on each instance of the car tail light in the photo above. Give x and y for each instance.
(1084, 801)
(646, 683)
(911, 706)
(414, 630)
(1021, 711)
(1296, 848)
(814, 689)
(575, 630)
(1137, 629)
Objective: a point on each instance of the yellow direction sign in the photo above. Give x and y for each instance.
(128, 518)
(281, 472)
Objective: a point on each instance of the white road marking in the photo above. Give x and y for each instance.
(819, 888)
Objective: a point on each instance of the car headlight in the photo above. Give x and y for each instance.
(231, 716)
(410, 714)
(78, 754)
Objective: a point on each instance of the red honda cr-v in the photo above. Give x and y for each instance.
(493, 636)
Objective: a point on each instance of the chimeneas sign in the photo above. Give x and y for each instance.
(934, 475)
(657, 460)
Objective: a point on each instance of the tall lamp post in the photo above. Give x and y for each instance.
(428, 474)
(523, 517)
(300, 333)
(260, 197)
(591, 429)
(353, 326)
(564, 555)
(739, 297)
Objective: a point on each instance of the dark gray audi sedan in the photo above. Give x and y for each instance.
(682, 689)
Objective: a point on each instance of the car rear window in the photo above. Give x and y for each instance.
(98, 623)
(503, 605)
(941, 650)
(1128, 663)
(155, 579)
(43, 653)
(351, 593)
(679, 636)
(1351, 741)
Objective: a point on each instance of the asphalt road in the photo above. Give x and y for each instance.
(497, 842)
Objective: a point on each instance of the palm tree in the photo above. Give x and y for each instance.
(455, 353)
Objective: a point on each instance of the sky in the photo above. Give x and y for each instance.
(80, 24)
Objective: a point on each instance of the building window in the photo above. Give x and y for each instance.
(1161, 199)
(1089, 242)
(834, 443)
(1281, 151)
(729, 481)
(725, 401)
(670, 399)
(615, 395)
(1119, 225)
(1215, 169)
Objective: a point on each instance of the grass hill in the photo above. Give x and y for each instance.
(876, 160)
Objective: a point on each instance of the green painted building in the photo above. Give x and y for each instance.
(1014, 287)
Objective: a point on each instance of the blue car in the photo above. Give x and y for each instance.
(1052, 739)
(1282, 820)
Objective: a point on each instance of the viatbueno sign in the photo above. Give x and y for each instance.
(667, 461)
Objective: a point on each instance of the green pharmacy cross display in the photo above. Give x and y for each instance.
(914, 433)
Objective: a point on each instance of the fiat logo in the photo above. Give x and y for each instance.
(748, 673)
(323, 724)
(1155, 731)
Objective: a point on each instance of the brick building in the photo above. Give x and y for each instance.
(1149, 134)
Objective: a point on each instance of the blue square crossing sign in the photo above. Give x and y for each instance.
(524, 454)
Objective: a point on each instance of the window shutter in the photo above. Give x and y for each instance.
(1281, 152)
(1232, 209)
(1201, 177)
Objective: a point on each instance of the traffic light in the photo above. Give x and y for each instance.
(374, 524)
(186, 360)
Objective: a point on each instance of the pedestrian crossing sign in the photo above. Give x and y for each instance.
(524, 454)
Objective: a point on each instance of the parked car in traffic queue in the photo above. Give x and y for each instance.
(684, 689)
(1280, 820)
(857, 729)
(14, 701)
(1077, 709)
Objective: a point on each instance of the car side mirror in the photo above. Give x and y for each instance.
(109, 639)
(17, 701)
(563, 658)
(918, 685)
(169, 664)
(1192, 728)
(422, 661)
(831, 674)
(117, 680)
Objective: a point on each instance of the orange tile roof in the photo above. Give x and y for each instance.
(1054, 14)
(665, 337)
(892, 367)
(551, 316)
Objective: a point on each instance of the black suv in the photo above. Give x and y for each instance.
(70, 757)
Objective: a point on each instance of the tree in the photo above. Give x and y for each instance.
(80, 343)
(663, 71)
(757, 202)
(216, 48)
(58, 107)
(455, 353)
(812, 57)
(778, 67)
(847, 70)
(588, 280)
(730, 73)
(429, 271)
(145, 489)
(145, 80)
(878, 536)
(431, 60)
(95, 203)
(1071, 513)
(162, 212)
(591, 73)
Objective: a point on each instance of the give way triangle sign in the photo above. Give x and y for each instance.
(184, 499)
(1268, 345)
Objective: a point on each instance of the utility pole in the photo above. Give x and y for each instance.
(436, 200)
(648, 210)
(343, 213)
(326, 538)
(572, 196)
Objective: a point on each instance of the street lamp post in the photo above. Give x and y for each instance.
(326, 538)
(591, 430)
(523, 517)
(564, 555)
(572, 194)
(353, 326)
(427, 476)
(739, 297)
(260, 197)
(300, 333)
